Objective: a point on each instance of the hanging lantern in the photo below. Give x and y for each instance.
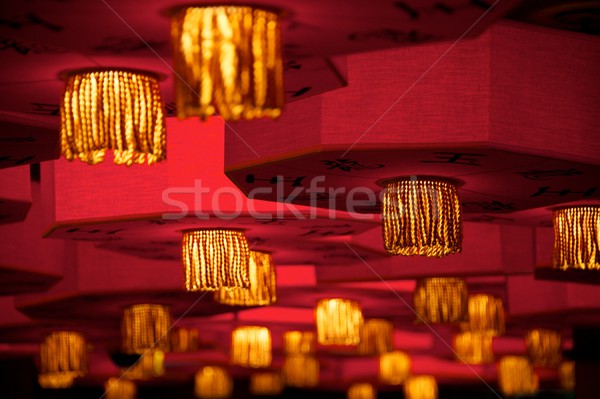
(299, 342)
(150, 365)
(516, 376)
(338, 322)
(486, 315)
(266, 383)
(116, 388)
(421, 387)
(251, 347)
(361, 390)
(116, 110)
(145, 327)
(63, 357)
(184, 340)
(441, 300)
(263, 283)
(577, 238)
(227, 62)
(215, 258)
(301, 371)
(213, 382)
(544, 347)
(376, 337)
(473, 348)
(394, 367)
(421, 216)
(566, 373)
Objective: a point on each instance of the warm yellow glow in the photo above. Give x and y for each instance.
(145, 327)
(116, 388)
(251, 346)
(213, 382)
(577, 238)
(228, 62)
(376, 337)
(301, 371)
(516, 376)
(299, 342)
(215, 258)
(486, 315)
(421, 387)
(421, 217)
(151, 364)
(473, 348)
(63, 357)
(394, 367)
(184, 340)
(266, 383)
(544, 347)
(566, 372)
(441, 300)
(114, 110)
(338, 322)
(361, 390)
(263, 284)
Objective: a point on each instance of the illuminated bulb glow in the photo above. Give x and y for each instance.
(577, 238)
(301, 371)
(266, 383)
(213, 382)
(566, 373)
(486, 315)
(338, 322)
(516, 376)
(421, 387)
(544, 347)
(361, 390)
(421, 217)
(473, 348)
(263, 284)
(441, 300)
(63, 357)
(376, 337)
(145, 327)
(184, 340)
(228, 62)
(116, 388)
(114, 110)
(251, 347)
(394, 367)
(299, 342)
(215, 258)
(151, 364)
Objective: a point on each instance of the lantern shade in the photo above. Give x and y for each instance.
(421, 387)
(63, 357)
(376, 337)
(544, 347)
(516, 376)
(118, 110)
(361, 390)
(338, 321)
(145, 327)
(184, 340)
(212, 382)
(441, 300)
(577, 238)
(263, 284)
(301, 371)
(486, 315)
(227, 62)
(151, 364)
(421, 216)
(266, 383)
(394, 367)
(473, 348)
(116, 388)
(251, 347)
(299, 342)
(215, 258)
(566, 373)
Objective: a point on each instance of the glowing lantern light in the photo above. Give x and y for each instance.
(299, 342)
(361, 390)
(516, 376)
(376, 337)
(251, 347)
(394, 367)
(421, 387)
(213, 382)
(486, 315)
(266, 383)
(116, 388)
(338, 322)
(63, 357)
(145, 327)
(441, 300)
(577, 238)
(544, 347)
(301, 371)
(473, 348)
